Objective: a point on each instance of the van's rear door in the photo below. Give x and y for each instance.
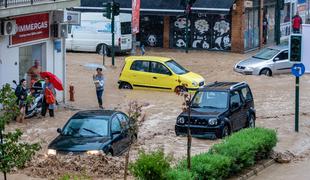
(69, 39)
(126, 37)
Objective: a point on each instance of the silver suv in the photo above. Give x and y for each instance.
(269, 61)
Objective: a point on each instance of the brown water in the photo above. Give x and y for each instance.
(274, 102)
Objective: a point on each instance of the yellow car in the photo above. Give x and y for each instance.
(161, 73)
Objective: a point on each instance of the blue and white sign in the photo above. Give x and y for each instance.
(298, 69)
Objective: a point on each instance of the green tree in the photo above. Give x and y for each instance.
(13, 153)
(186, 107)
(136, 118)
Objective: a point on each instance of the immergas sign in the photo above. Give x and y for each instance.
(31, 28)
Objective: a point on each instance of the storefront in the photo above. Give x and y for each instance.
(207, 31)
(31, 44)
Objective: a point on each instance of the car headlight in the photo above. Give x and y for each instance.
(51, 152)
(212, 121)
(94, 152)
(181, 120)
(194, 83)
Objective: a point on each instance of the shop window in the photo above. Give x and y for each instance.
(251, 29)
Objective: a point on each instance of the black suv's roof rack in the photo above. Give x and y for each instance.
(225, 85)
(236, 85)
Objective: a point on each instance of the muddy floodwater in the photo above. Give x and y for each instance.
(273, 96)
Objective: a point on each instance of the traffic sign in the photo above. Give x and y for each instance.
(298, 69)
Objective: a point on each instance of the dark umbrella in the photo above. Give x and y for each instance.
(53, 79)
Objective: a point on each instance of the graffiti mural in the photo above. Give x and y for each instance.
(205, 32)
(179, 32)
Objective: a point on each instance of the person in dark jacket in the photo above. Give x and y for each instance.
(45, 105)
(99, 83)
(265, 29)
(21, 93)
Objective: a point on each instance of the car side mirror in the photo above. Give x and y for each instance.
(234, 105)
(59, 130)
(276, 59)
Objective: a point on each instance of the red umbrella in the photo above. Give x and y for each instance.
(53, 79)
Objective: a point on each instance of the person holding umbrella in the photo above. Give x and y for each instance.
(52, 82)
(49, 98)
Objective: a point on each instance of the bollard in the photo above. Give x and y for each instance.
(71, 92)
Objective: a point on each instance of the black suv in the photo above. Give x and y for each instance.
(217, 110)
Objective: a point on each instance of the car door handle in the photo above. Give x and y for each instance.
(154, 77)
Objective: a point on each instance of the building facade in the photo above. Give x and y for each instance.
(223, 25)
(36, 39)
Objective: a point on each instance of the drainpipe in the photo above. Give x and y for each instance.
(64, 71)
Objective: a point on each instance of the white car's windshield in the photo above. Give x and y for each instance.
(176, 68)
(210, 99)
(266, 54)
(87, 127)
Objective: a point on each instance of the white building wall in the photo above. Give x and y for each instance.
(9, 62)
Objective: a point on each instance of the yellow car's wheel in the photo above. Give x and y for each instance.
(125, 85)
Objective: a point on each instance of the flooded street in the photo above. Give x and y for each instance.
(273, 96)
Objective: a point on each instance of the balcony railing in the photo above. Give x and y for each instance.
(12, 3)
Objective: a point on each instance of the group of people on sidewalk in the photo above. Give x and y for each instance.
(48, 91)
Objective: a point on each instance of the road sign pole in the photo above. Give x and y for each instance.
(112, 31)
(297, 104)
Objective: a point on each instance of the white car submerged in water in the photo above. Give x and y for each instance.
(269, 61)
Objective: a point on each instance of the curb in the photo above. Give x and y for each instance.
(257, 169)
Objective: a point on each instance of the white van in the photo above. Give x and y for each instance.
(95, 31)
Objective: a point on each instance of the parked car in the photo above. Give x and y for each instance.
(161, 73)
(267, 62)
(217, 110)
(95, 32)
(93, 132)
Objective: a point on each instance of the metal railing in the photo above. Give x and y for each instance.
(12, 3)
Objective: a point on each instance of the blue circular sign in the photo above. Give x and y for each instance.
(69, 18)
(298, 69)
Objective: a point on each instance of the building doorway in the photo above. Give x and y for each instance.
(28, 56)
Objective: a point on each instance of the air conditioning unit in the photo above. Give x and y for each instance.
(8, 28)
(60, 30)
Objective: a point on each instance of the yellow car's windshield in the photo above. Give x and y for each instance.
(176, 68)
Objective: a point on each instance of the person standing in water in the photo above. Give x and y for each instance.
(99, 84)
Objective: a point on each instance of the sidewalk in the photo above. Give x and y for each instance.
(299, 170)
